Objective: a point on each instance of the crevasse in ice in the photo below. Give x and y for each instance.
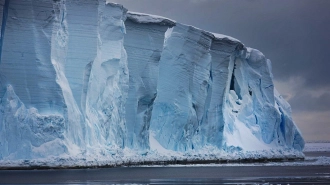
(88, 78)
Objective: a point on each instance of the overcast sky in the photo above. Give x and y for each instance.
(293, 34)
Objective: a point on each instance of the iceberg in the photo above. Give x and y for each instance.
(88, 83)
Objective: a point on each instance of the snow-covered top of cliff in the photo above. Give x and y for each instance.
(222, 37)
(148, 18)
(156, 19)
(117, 5)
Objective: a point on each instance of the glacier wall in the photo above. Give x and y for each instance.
(31, 80)
(180, 102)
(88, 80)
(26, 54)
(144, 42)
(108, 79)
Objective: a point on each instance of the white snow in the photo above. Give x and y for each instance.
(221, 36)
(155, 146)
(243, 137)
(149, 18)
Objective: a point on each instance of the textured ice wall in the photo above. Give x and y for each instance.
(223, 51)
(144, 42)
(253, 115)
(219, 95)
(182, 87)
(32, 81)
(26, 55)
(25, 134)
(288, 132)
(82, 20)
(44, 88)
(108, 80)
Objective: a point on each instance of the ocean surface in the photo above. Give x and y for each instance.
(192, 174)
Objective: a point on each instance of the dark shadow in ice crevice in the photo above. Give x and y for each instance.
(3, 25)
(87, 74)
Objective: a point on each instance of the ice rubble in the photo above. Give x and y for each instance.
(88, 83)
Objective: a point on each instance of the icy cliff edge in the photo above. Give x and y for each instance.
(89, 83)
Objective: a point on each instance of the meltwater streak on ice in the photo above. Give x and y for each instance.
(3, 24)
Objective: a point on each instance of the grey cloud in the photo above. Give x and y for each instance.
(293, 34)
(306, 102)
(314, 126)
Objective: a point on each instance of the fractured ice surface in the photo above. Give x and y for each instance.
(88, 80)
(24, 132)
(223, 50)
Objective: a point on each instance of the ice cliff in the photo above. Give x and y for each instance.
(89, 81)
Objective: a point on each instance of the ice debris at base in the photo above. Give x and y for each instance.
(88, 83)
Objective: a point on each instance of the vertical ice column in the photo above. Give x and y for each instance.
(4, 6)
(223, 52)
(26, 55)
(59, 47)
(82, 18)
(182, 84)
(108, 80)
(144, 43)
(258, 80)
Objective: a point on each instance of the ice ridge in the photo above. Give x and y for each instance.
(89, 81)
(150, 19)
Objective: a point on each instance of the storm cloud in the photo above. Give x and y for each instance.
(293, 34)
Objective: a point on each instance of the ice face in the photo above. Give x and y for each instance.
(82, 19)
(252, 113)
(81, 79)
(289, 133)
(26, 55)
(52, 79)
(182, 87)
(144, 44)
(223, 50)
(25, 134)
(108, 80)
